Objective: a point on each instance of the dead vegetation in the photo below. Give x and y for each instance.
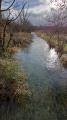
(21, 39)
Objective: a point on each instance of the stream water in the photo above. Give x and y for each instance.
(47, 81)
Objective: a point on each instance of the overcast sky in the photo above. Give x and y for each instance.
(38, 10)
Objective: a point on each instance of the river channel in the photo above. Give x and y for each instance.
(47, 81)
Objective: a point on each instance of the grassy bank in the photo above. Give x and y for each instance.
(13, 82)
(21, 39)
(60, 46)
(18, 40)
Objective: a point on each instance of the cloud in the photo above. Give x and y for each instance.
(38, 11)
(45, 1)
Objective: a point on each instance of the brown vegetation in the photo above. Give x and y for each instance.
(21, 39)
(64, 60)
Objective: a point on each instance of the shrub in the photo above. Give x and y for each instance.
(13, 80)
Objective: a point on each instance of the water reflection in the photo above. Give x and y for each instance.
(52, 60)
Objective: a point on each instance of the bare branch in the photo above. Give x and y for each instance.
(19, 13)
(8, 7)
(6, 1)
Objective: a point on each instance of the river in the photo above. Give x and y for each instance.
(47, 81)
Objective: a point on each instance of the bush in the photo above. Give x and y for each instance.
(10, 71)
(13, 80)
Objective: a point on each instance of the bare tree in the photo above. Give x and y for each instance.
(24, 19)
(60, 4)
(61, 21)
(4, 23)
(55, 19)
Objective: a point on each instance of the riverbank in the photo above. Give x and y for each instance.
(19, 40)
(60, 47)
(13, 82)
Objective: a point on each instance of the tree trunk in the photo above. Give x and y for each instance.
(0, 8)
(0, 26)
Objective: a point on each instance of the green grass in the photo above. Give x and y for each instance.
(66, 47)
(45, 37)
(10, 71)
